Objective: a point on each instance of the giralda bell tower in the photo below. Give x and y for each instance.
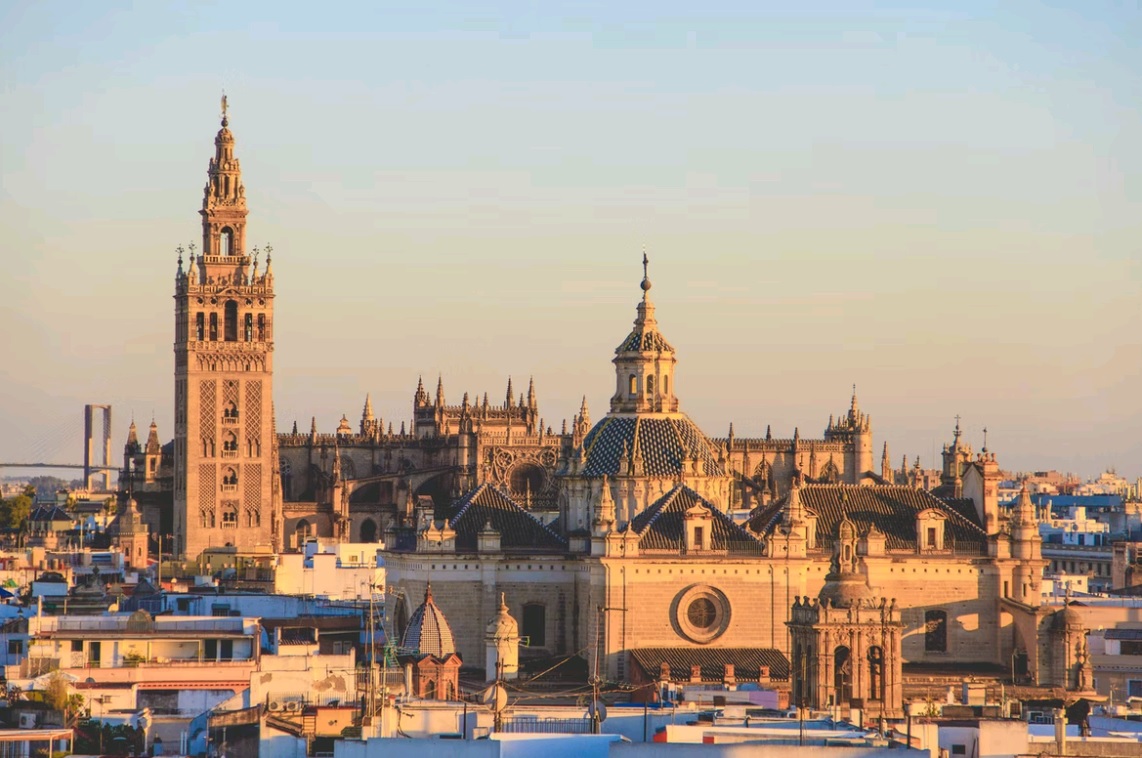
(225, 446)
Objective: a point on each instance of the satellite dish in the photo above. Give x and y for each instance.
(495, 697)
(597, 710)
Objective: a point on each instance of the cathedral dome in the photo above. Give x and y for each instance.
(428, 631)
(845, 590)
(666, 444)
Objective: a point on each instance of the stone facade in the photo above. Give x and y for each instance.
(225, 450)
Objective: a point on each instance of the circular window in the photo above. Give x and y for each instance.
(701, 613)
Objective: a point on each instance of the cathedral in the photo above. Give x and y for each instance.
(637, 542)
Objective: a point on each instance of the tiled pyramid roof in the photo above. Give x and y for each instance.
(665, 442)
(428, 631)
(892, 510)
(519, 529)
(662, 525)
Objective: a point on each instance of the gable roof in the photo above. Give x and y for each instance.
(519, 529)
(49, 513)
(662, 526)
(892, 510)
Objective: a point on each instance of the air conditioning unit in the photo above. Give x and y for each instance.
(27, 721)
(293, 706)
(275, 706)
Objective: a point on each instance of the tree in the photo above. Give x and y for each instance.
(14, 511)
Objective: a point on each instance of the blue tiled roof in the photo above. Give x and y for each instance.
(662, 525)
(519, 530)
(664, 442)
(892, 510)
(643, 341)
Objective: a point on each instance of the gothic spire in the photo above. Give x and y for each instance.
(509, 401)
(420, 397)
(153, 444)
(439, 391)
(367, 413)
(532, 403)
(132, 445)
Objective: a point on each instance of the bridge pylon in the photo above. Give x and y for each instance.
(90, 471)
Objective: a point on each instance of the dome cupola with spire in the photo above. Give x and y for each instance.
(644, 363)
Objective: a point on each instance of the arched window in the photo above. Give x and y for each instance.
(429, 690)
(230, 443)
(230, 410)
(213, 327)
(666, 384)
(633, 385)
(650, 385)
(935, 631)
(230, 514)
(535, 624)
(248, 327)
(225, 242)
(230, 477)
(199, 326)
(231, 331)
(261, 327)
(368, 531)
(302, 532)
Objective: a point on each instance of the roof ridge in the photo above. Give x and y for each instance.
(657, 507)
(599, 433)
(524, 511)
(467, 502)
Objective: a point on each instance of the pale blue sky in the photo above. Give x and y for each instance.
(941, 205)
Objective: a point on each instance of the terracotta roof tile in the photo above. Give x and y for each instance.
(747, 662)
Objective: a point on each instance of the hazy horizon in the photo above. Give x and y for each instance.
(941, 206)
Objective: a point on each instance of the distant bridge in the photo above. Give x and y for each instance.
(59, 465)
(56, 440)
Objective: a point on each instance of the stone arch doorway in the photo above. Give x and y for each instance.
(842, 675)
(368, 530)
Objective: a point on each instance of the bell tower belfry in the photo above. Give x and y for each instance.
(225, 447)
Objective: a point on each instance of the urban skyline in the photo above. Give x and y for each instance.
(957, 248)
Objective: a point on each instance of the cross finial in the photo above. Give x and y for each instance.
(957, 424)
(269, 252)
(180, 250)
(645, 261)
